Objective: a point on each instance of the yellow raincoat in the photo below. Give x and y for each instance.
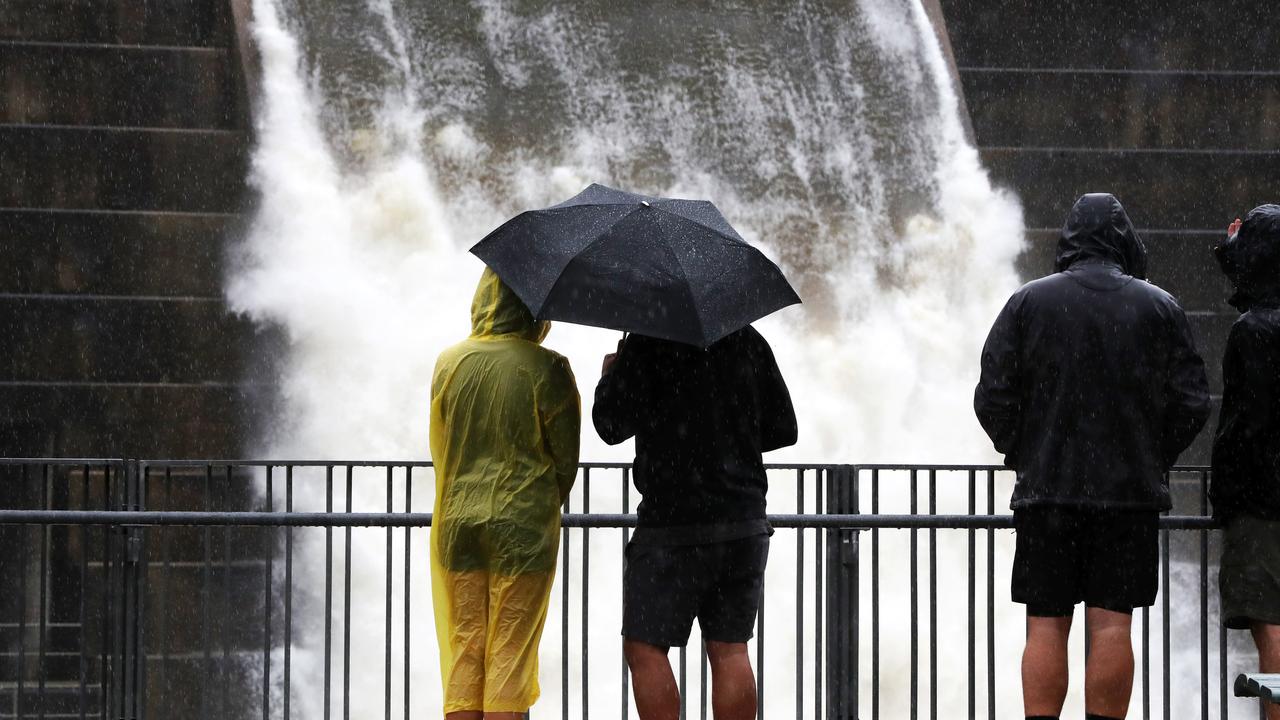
(505, 422)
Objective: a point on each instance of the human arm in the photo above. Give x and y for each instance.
(778, 428)
(997, 399)
(562, 424)
(1186, 390)
(620, 393)
(1244, 424)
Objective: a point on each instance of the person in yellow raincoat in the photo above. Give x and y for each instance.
(505, 422)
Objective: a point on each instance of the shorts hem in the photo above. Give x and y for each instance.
(1245, 620)
(1035, 609)
(730, 641)
(492, 708)
(1122, 608)
(636, 637)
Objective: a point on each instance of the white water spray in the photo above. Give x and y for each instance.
(391, 137)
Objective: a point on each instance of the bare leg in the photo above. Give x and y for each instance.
(464, 715)
(1267, 638)
(1044, 665)
(1108, 674)
(503, 716)
(733, 686)
(652, 682)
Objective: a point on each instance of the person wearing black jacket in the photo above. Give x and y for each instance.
(1091, 387)
(1245, 486)
(701, 420)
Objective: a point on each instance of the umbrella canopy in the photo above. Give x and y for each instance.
(662, 267)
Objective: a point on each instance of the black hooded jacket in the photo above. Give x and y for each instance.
(1091, 385)
(1246, 448)
(701, 419)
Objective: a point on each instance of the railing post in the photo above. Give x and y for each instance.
(128, 680)
(842, 597)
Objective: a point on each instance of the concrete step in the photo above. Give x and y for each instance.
(181, 551)
(60, 701)
(1210, 333)
(232, 598)
(1181, 263)
(1124, 109)
(137, 22)
(1182, 190)
(214, 687)
(58, 636)
(62, 647)
(1222, 35)
(61, 84)
(129, 420)
(114, 253)
(54, 338)
(199, 488)
(128, 169)
(60, 668)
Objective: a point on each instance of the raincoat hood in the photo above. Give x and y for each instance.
(1251, 259)
(496, 310)
(1098, 228)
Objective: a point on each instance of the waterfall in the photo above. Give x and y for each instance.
(391, 135)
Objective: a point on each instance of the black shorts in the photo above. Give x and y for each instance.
(664, 587)
(1250, 577)
(1104, 558)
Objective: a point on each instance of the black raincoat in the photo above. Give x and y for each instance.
(1246, 448)
(1091, 385)
(701, 419)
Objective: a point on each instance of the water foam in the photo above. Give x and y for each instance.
(850, 166)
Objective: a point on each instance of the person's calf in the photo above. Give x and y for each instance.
(1044, 666)
(733, 684)
(653, 684)
(1108, 675)
(1267, 639)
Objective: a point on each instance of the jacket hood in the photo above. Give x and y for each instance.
(496, 310)
(1098, 228)
(1251, 259)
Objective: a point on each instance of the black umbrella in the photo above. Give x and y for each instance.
(662, 267)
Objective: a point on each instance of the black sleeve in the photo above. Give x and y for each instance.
(1187, 392)
(1248, 375)
(778, 427)
(620, 395)
(997, 401)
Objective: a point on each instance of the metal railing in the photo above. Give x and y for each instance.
(202, 589)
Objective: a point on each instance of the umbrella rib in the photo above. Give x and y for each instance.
(585, 248)
(693, 302)
(702, 225)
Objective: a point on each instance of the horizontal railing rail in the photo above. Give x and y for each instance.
(161, 518)
(192, 587)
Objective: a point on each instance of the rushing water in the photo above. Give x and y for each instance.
(393, 134)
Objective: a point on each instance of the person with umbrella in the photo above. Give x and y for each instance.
(505, 428)
(700, 391)
(701, 419)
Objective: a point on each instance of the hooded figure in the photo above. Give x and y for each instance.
(1246, 449)
(505, 421)
(1091, 385)
(1245, 486)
